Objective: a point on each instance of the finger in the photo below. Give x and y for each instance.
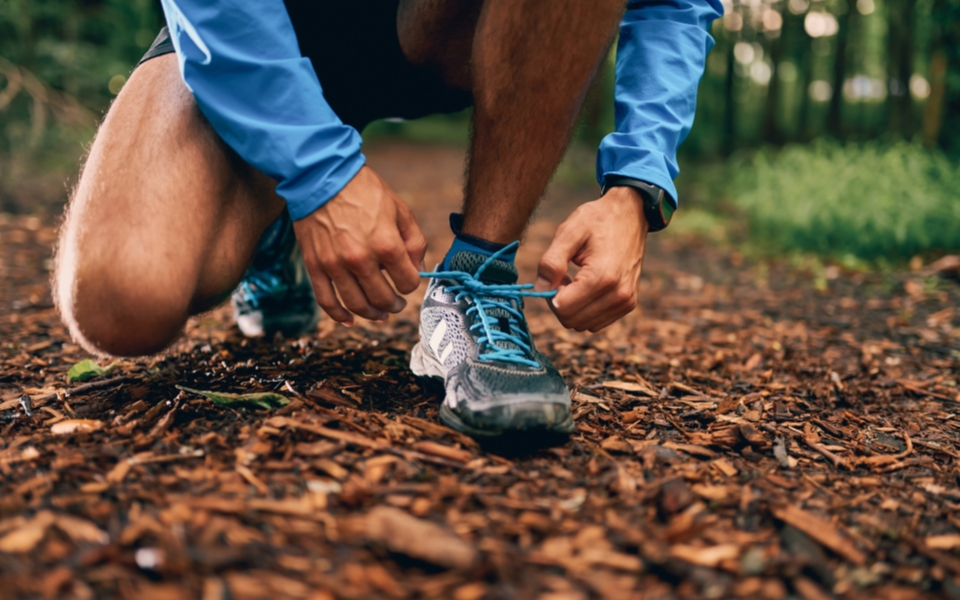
(396, 262)
(595, 313)
(588, 286)
(580, 319)
(354, 297)
(380, 294)
(327, 299)
(364, 266)
(413, 239)
(606, 315)
(610, 308)
(566, 243)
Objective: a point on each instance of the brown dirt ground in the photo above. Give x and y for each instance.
(743, 433)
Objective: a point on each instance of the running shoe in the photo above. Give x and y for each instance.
(474, 336)
(276, 295)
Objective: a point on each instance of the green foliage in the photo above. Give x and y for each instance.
(869, 201)
(61, 61)
(88, 369)
(265, 400)
(701, 224)
(77, 46)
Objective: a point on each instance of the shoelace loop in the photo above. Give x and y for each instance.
(488, 296)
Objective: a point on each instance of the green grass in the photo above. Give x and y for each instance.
(872, 202)
(436, 129)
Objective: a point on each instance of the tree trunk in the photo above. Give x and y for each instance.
(933, 112)
(946, 18)
(730, 104)
(771, 109)
(803, 129)
(834, 115)
(901, 18)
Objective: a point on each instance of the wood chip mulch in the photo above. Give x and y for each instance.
(754, 430)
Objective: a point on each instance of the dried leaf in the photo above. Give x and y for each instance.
(418, 538)
(81, 530)
(449, 452)
(943, 542)
(821, 531)
(630, 386)
(25, 538)
(75, 426)
(705, 557)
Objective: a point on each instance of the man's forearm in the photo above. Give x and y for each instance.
(660, 60)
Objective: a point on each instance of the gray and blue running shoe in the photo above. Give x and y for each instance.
(276, 295)
(473, 335)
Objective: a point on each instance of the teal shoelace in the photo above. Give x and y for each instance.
(486, 297)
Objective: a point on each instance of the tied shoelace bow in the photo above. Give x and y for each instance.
(485, 297)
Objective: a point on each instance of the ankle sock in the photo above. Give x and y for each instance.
(470, 243)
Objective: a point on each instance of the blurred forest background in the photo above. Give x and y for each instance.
(825, 127)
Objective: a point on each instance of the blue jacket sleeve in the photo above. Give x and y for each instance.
(243, 64)
(660, 59)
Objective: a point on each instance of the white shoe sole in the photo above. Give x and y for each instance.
(533, 414)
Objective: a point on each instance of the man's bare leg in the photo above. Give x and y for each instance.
(532, 63)
(163, 223)
(529, 64)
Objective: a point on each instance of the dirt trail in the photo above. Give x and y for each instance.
(742, 434)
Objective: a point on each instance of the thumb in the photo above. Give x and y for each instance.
(552, 270)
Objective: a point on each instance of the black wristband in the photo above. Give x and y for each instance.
(658, 206)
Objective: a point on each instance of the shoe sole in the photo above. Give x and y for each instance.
(532, 417)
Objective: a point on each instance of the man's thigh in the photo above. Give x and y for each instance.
(165, 217)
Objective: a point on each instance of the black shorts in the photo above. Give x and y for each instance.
(356, 54)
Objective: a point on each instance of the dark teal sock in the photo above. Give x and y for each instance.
(462, 242)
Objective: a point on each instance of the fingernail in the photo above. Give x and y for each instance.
(347, 323)
(541, 285)
(553, 301)
(398, 305)
(383, 316)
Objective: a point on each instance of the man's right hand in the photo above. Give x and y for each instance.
(351, 240)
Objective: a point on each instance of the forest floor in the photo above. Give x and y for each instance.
(752, 430)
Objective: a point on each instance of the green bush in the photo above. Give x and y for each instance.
(871, 201)
(61, 62)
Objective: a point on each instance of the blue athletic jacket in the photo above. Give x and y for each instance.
(231, 50)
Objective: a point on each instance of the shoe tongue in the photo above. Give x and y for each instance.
(498, 271)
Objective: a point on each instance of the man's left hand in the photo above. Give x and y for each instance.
(606, 239)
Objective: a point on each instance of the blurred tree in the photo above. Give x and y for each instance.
(62, 61)
(942, 121)
(783, 71)
(730, 102)
(771, 110)
(933, 112)
(901, 22)
(804, 129)
(835, 126)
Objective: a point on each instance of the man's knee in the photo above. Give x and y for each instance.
(118, 309)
